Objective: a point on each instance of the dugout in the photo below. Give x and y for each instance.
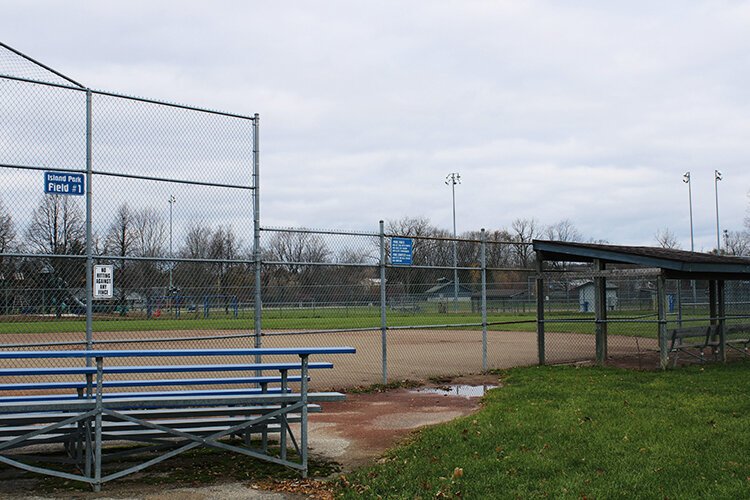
(659, 265)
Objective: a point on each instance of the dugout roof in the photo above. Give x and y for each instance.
(675, 264)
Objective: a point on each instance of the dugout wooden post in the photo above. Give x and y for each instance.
(540, 306)
(600, 312)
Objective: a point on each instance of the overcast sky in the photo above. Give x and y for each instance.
(547, 109)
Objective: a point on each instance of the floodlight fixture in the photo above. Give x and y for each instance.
(452, 179)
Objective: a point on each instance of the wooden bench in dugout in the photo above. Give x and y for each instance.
(683, 340)
(168, 422)
(738, 335)
(735, 336)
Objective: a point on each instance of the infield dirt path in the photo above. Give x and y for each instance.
(411, 354)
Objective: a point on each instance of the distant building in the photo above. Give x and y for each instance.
(444, 291)
(587, 297)
(500, 300)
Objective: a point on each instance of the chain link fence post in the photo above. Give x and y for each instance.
(661, 298)
(483, 257)
(89, 237)
(540, 308)
(383, 314)
(256, 233)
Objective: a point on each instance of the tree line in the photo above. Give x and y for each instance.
(136, 243)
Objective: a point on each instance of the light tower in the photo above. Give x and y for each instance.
(717, 178)
(451, 180)
(171, 201)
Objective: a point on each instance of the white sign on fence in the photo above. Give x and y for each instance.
(104, 282)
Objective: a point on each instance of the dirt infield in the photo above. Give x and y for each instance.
(411, 354)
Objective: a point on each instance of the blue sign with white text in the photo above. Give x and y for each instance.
(63, 183)
(401, 250)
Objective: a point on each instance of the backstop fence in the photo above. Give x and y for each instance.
(118, 211)
(129, 222)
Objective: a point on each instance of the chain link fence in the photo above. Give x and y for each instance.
(437, 315)
(162, 196)
(167, 198)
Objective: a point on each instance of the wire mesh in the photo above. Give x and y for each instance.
(16, 64)
(42, 126)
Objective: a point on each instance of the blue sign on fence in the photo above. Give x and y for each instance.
(63, 183)
(401, 249)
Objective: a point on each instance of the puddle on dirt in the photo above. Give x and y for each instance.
(462, 390)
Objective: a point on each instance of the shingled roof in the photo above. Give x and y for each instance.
(674, 263)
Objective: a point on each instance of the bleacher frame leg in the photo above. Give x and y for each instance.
(283, 419)
(303, 424)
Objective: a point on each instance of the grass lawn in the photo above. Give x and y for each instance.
(564, 432)
(325, 319)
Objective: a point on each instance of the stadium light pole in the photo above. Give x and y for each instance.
(686, 180)
(171, 201)
(451, 180)
(717, 178)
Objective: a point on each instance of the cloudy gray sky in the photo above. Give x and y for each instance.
(552, 110)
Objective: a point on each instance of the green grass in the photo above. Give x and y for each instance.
(564, 432)
(321, 319)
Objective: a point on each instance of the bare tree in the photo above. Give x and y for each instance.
(122, 234)
(356, 256)
(665, 238)
(120, 240)
(57, 227)
(409, 226)
(194, 278)
(197, 242)
(499, 253)
(7, 244)
(293, 280)
(737, 243)
(150, 237)
(7, 231)
(296, 248)
(524, 231)
(151, 233)
(563, 230)
(225, 246)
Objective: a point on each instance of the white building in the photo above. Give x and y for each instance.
(587, 297)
